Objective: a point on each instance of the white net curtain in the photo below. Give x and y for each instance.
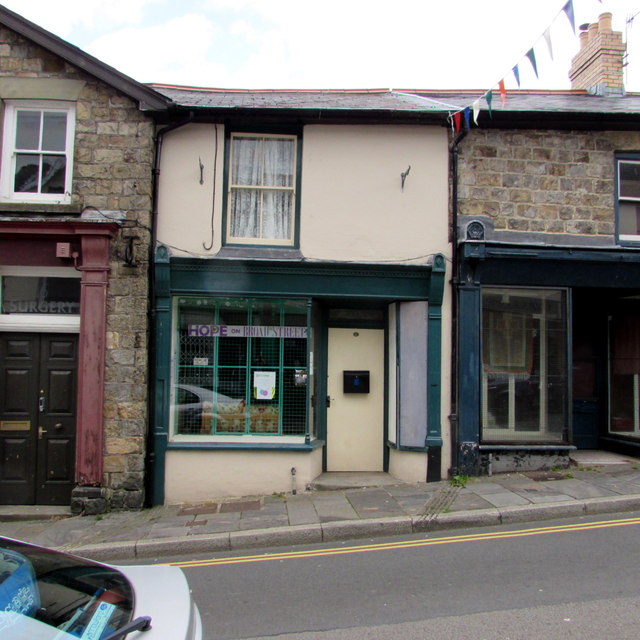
(262, 187)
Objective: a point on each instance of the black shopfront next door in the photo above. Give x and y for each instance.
(38, 374)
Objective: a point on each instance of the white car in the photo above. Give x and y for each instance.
(50, 595)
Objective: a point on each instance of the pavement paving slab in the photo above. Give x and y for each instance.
(483, 487)
(469, 502)
(616, 485)
(374, 502)
(333, 505)
(263, 522)
(579, 490)
(504, 498)
(217, 526)
(301, 510)
(159, 532)
(535, 489)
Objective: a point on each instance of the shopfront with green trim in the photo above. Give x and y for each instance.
(255, 360)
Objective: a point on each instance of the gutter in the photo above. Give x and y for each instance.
(455, 281)
(154, 476)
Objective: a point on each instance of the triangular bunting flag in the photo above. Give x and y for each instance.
(532, 57)
(456, 121)
(467, 117)
(547, 37)
(503, 92)
(516, 73)
(489, 97)
(568, 9)
(476, 110)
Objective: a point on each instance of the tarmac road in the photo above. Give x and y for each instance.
(570, 578)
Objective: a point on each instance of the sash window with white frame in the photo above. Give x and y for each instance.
(262, 189)
(628, 200)
(37, 155)
(524, 365)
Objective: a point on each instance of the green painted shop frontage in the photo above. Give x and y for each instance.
(548, 355)
(263, 365)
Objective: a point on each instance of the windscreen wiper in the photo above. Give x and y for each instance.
(142, 623)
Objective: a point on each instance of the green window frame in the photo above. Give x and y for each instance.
(241, 368)
(262, 189)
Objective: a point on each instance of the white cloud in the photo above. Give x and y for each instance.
(62, 16)
(342, 43)
(177, 48)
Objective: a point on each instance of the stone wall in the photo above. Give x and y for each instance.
(542, 182)
(112, 178)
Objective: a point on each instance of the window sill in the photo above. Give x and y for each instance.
(629, 241)
(260, 253)
(524, 446)
(245, 446)
(40, 208)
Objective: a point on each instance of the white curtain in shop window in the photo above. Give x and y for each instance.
(262, 187)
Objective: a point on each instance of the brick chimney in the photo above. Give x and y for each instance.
(598, 66)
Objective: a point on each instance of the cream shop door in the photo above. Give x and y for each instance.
(355, 421)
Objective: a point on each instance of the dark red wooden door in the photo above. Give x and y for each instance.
(37, 417)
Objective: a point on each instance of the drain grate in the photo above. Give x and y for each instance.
(200, 509)
(246, 505)
(541, 476)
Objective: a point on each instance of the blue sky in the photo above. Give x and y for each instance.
(333, 44)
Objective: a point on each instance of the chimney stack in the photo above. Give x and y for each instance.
(598, 66)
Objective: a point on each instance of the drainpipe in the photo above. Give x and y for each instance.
(150, 466)
(455, 281)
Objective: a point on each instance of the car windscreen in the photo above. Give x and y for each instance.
(76, 596)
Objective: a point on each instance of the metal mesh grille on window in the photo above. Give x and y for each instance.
(254, 384)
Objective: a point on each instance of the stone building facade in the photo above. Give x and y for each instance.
(542, 182)
(547, 292)
(94, 234)
(545, 220)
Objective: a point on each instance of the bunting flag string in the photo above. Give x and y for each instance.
(476, 110)
(455, 118)
(467, 116)
(516, 73)
(503, 92)
(568, 9)
(547, 37)
(532, 58)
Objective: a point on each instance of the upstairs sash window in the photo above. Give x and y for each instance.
(262, 193)
(38, 152)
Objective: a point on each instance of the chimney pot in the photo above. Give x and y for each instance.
(584, 38)
(598, 66)
(605, 22)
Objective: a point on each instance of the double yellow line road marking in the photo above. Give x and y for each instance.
(410, 544)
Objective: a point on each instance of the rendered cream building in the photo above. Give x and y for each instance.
(300, 299)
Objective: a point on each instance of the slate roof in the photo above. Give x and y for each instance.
(330, 100)
(403, 100)
(547, 101)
